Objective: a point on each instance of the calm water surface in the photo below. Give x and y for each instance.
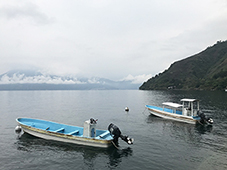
(159, 144)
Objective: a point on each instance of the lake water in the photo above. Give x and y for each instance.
(159, 143)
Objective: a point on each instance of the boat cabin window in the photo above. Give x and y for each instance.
(191, 106)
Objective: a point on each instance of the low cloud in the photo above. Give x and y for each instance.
(137, 79)
(28, 11)
(22, 79)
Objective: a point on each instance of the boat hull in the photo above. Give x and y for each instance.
(172, 116)
(56, 136)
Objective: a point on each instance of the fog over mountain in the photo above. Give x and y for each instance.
(37, 80)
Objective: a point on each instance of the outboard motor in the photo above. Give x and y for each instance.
(204, 119)
(116, 133)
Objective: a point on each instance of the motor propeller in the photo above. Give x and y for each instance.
(116, 133)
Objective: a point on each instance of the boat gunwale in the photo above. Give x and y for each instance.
(44, 121)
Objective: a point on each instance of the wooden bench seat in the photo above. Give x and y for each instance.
(104, 134)
(59, 130)
(73, 132)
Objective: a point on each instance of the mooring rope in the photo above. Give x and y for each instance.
(115, 145)
(144, 111)
(199, 122)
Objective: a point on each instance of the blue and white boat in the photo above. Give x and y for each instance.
(87, 135)
(187, 112)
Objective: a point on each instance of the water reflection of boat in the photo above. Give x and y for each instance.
(90, 155)
(187, 112)
(87, 135)
(203, 129)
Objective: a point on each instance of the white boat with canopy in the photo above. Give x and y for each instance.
(187, 112)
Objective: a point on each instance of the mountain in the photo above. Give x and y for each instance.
(206, 70)
(35, 80)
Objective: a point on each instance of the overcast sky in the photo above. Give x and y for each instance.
(112, 39)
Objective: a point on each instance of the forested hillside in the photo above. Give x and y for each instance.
(206, 70)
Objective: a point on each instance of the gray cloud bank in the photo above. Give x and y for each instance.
(35, 80)
(113, 39)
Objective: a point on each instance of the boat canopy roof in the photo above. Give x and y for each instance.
(176, 105)
(189, 100)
